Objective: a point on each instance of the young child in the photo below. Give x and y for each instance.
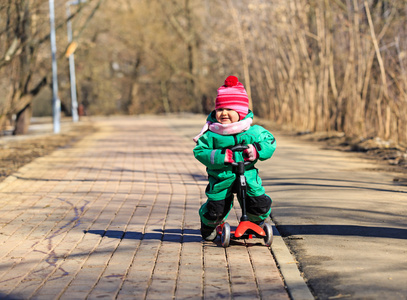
(230, 124)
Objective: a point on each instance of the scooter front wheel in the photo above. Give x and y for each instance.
(268, 238)
(225, 237)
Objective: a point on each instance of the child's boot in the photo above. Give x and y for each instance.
(208, 233)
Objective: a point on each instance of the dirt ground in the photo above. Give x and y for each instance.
(392, 158)
(16, 153)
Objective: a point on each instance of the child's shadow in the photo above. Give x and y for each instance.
(167, 235)
(170, 235)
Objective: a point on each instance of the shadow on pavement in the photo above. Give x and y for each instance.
(9, 297)
(343, 230)
(168, 235)
(174, 235)
(332, 183)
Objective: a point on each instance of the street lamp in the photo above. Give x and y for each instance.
(74, 101)
(56, 102)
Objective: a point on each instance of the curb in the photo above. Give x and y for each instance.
(295, 284)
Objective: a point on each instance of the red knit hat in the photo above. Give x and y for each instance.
(233, 95)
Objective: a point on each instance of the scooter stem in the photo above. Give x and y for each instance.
(242, 189)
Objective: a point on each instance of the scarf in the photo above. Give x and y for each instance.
(225, 129)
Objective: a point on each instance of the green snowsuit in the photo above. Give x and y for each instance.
(210, 151)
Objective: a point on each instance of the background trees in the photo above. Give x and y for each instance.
(25, 58)
(325, 65)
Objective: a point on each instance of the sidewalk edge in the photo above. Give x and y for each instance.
(295, 284)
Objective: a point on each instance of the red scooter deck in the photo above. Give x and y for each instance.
(245, 229)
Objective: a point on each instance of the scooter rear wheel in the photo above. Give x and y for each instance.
(225, 237)
(268, 238)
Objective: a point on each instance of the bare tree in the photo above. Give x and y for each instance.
(24, 56)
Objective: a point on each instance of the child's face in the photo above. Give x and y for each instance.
(226, 115)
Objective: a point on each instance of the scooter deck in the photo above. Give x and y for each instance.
(245, 230)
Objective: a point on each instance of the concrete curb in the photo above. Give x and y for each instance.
(295, 284)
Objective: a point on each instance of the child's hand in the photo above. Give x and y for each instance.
(251, 153)
(229, 156)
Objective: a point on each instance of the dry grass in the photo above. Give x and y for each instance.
(15, 153)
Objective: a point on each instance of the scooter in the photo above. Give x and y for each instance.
(245, 229)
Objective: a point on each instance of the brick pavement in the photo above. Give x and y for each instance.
(115, 217)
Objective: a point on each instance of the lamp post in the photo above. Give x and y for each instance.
(56, 102)
(72, 77)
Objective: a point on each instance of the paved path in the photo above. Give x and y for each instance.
(344, 219)
(115, 217)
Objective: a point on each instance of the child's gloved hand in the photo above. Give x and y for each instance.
(251, 153)
(229, 156)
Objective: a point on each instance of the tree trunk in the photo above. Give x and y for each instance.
(23, 120)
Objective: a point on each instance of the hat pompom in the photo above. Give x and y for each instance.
(231, 81)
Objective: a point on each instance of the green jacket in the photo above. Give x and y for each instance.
(210, 151)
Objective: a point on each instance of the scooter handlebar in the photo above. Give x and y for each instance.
(240, 148)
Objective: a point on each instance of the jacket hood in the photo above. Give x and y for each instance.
(212, 116)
